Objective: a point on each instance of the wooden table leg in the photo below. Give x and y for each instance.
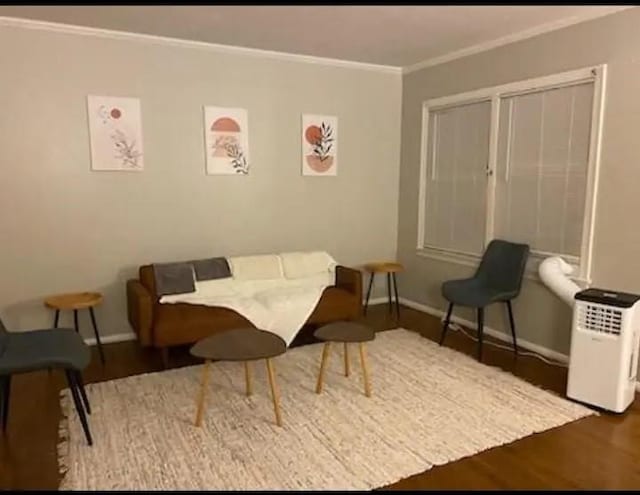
(203, 391)
(323, 364)
(365, 372)
(346, 360)
(274, 392)
(247, 376)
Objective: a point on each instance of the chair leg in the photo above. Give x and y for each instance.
(56, 318)
(79, 409)
(366, 302)
(95, 330)
(513, 328)
(6, 393)
(445, 325)
(389, 293)
(83, 393)
(480, 332)
(75, 321)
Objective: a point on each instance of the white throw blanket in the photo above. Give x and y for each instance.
(281, 306)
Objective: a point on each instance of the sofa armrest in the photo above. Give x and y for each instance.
(350, 280)
(140, 310)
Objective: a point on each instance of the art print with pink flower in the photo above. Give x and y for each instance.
(319, 145)
(115, 132)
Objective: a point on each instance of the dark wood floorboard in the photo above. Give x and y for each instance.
(599, 452)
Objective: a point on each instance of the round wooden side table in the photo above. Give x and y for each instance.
(75, 302)
(390, 268)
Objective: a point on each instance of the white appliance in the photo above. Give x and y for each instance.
(603, 362)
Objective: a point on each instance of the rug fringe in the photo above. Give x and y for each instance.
(63, 439)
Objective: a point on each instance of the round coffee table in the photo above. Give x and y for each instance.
(345, 332)
(76, 301)
(239, 344)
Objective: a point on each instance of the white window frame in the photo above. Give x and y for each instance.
(582, 265)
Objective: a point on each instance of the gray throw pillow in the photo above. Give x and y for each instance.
(173, 278)
(211, 268)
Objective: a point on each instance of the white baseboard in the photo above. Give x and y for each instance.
(377, 300)
(543, 351)
(112, 339)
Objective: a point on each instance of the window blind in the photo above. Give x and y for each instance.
(542, 165)
(455, 195)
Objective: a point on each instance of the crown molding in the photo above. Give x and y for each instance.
(512, 38)
(182, 43)
(309, 59)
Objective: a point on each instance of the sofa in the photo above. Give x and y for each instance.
(162, 325)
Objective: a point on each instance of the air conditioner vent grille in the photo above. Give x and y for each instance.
(599, 319)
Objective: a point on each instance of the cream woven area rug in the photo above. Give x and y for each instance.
(430, 405)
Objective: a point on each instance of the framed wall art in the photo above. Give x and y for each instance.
(319, 145)
(115, 133)
(227, 140)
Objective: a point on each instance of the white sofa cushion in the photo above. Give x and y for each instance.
(297, 265)
(262, 267)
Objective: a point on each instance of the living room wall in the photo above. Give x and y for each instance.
(67, 228)
(542, 318)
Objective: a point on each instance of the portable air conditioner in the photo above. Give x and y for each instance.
(604, 348)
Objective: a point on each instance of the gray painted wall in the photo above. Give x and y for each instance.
(614, 40)
(66, 228)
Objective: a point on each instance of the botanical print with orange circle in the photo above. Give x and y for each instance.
(320, 139)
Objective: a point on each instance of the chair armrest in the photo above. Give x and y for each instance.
(140, 310)
(350, 280)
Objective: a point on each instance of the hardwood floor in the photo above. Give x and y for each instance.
(599, 452)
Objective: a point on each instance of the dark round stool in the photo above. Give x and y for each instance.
(240, 344)
(346, 332)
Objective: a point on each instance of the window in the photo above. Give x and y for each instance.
(516, 162)
(458, 154)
